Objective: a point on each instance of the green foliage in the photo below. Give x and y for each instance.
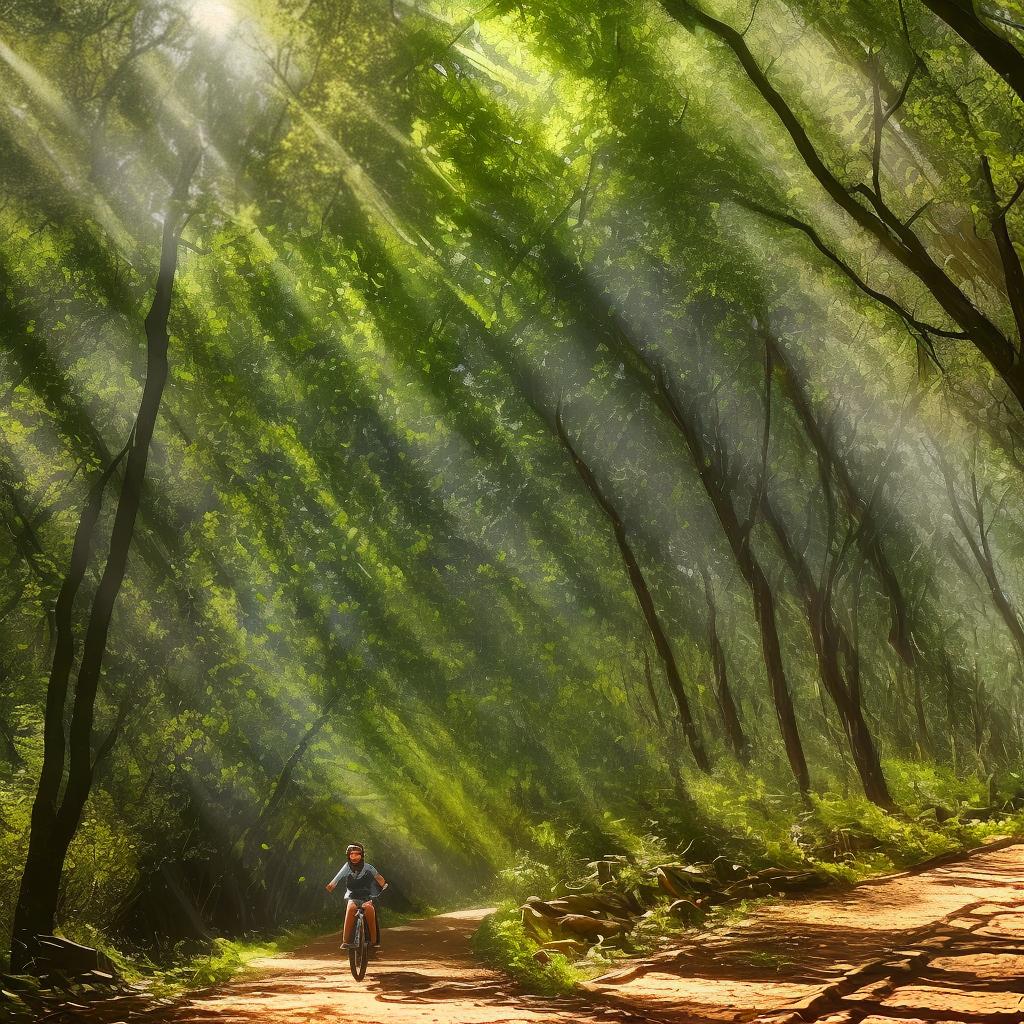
(367, 596)
(552, 853)
(917, 784)
(750, 814)
(224, 959)
(877, 841)
(848, 836)
(189, 966)
(501, 942)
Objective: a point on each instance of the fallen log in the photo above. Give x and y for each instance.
(582, 924)
(56, 954)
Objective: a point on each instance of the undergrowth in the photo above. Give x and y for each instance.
(187, 967)
(502, 942)
(844, 836)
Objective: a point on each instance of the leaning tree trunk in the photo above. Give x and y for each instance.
(646, 601)
(284, 777)
(830, 641)
(717, 488)
(246, 844)
(923, 739)
(869, 537)
(651, 691)
(726, 705)
(54, 823)
(994, 49)
(667, 729)
(977, 540)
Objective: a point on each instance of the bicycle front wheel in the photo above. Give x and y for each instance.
(359, 954)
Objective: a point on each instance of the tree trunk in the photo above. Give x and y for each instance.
(709, 470)
(726, 705)
(830, 641)
(651, 691)
(37, 899)
(54, 824)
(643, 596)
(246, 841)
(977, 541)
(284, 778)
(923, 740)
(667, 729)
(995, 50)
(869, 536)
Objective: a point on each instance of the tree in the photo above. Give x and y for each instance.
(55, 814)
(866, 205)
(643, 595)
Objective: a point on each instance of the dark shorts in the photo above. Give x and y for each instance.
(359, 901)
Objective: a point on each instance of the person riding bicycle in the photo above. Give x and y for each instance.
(359, 878)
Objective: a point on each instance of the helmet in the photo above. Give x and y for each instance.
(355, 846)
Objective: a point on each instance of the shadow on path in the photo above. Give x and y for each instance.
(941, 945)
(945, 944)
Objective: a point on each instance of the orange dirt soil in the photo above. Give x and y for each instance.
(943, 945)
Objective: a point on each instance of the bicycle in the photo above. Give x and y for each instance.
(359, 951)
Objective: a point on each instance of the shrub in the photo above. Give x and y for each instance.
(502, 942)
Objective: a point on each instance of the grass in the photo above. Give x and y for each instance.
(501, 942)
(187, 970)
(845, 837)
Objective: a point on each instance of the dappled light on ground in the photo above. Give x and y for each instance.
(425, 974)
(888, 944)
(944, 944)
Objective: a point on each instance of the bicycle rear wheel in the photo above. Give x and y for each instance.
(358, 955)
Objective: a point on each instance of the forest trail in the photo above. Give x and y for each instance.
(942, 945)
(425, 973)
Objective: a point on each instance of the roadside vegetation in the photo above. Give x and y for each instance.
(566, 914)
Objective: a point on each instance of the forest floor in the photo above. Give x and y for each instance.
(944, 944)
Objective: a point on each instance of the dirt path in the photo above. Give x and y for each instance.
(945, 945)
(424, 974)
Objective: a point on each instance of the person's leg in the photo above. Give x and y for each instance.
(350, 920)
(371, 921)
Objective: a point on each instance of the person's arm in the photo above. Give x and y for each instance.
(333, 883)
(379, 879)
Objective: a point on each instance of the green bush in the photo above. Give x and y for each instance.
(502, 942)
(552, 854)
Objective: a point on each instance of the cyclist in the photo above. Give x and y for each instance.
(359, 878)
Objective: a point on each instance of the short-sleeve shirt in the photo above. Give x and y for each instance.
(357, 886)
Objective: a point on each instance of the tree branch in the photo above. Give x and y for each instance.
(996, 51)
(1013, 272)
(894, 237)
(923, 329)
